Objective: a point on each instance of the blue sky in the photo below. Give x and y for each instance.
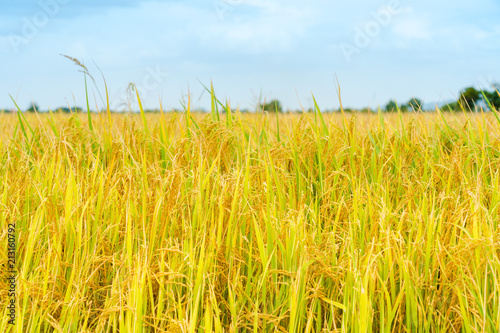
(287, 50)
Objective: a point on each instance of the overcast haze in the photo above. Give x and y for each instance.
(286, 50)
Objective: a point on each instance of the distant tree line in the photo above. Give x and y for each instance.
(272, 106)
(34, 107)
(469, 99)
(413, 104)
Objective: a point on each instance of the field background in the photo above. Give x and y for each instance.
(183, 222)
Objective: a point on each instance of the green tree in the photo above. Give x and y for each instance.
(415, 104)
(468, 98)
(391, 106)
(453, 106)
(272, 106)
(33, 107)
(64, 109)
(68, 110)
(493, 97)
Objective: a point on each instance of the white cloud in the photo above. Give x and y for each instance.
(413, 26)
(272, 29)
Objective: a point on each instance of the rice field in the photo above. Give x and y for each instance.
(231, 222)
